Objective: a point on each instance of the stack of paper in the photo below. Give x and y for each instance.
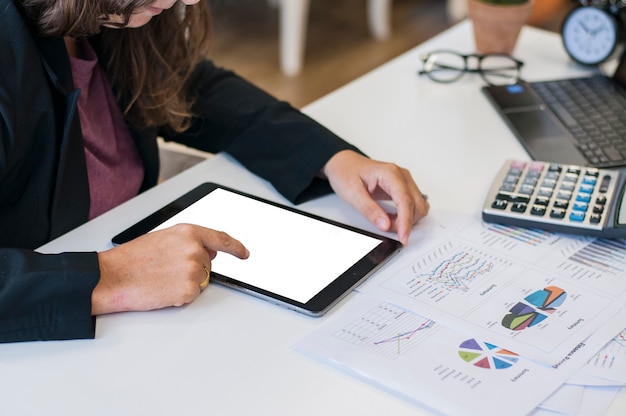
(475, 318)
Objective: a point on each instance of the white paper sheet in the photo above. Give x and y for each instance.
(534, 292)
(607, 367)
(429, 364)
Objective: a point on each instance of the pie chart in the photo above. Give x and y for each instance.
(485, 355)
(537, 306)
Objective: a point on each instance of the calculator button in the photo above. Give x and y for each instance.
(567, 186)
(545, 192)
(580, 206)
(564, 195)
(542, 201)
(592, 172)
(598, 209)
(574, 170)
(548, 183)
(557, 213)
(507, 187)
(499, 204)
(589, 180)
(577, 216)
(570, 178)
(538, 210)
(601, 200)
(552, 175)
(554, 167)
(529, 183)
(526, 189)
(586, 189)
(561, 204)
(595, 219)
(604, 185)
(583, 197)
(511, 179)
(519, 207)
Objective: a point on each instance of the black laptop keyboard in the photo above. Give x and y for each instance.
(594, 111)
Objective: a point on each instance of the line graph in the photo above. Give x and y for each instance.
(406, 335)
(451, 269)
(387, 330)
(459, 270)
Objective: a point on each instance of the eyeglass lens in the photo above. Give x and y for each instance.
(444, 66)
(499, 70)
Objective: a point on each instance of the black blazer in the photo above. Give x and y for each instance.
(44, 191)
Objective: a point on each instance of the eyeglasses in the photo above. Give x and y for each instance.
(449, 66)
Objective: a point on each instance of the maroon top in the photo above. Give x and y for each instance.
(114, 167)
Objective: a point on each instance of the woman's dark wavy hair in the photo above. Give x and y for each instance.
(149, 66)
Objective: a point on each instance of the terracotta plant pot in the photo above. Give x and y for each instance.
(547, 11)
(497, 27)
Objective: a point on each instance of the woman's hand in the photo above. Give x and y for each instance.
(160, 269)
(361, 181)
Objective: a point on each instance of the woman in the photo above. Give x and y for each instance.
(85, 88)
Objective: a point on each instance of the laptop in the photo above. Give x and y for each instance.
(577, 121)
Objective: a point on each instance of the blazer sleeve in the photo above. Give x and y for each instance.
(46, 296)
(269, 137)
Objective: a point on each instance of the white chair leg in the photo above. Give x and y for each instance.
(456, 9)
(379, 18)
(292, 32)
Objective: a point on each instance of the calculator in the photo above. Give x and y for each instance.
(558, 197)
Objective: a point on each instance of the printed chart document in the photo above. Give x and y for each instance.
(537, 293)
(607, 367)
(431, 365)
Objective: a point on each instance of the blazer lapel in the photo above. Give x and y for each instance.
(70, 203)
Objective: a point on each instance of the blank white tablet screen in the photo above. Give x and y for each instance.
(291, 255)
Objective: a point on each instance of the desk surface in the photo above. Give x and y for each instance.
(229, 353)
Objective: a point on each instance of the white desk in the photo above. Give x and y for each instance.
(229, 353)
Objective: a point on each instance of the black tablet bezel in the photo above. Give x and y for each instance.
(317, 305)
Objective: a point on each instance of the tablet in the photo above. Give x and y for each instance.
(297, 260)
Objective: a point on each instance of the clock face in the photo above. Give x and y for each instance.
(589, 35)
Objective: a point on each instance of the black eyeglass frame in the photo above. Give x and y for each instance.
(466, 69)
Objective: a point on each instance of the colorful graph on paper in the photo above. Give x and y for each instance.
(387, 330)
(602, 254)
(459, 270)
(453, 267)
(507, 235)
(536, 308)
(485, 355)
(613, 354)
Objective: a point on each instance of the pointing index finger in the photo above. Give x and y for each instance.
(220, 241)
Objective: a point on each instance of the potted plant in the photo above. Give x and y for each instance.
(497, 23)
